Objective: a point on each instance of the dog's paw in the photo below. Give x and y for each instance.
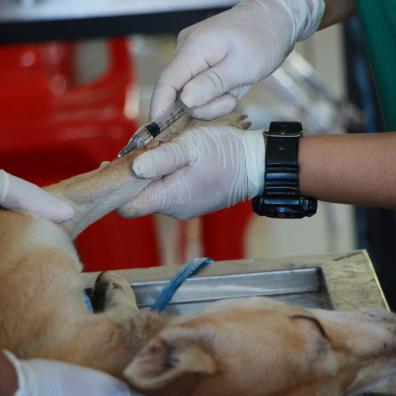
(111, 291)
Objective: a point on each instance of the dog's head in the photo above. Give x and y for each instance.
(261, 347)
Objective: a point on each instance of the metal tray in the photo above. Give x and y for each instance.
(304, 287)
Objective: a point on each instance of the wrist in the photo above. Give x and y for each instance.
(25, 376)
(306, 16)
(282, 196)
(8, 376)
(254, 147)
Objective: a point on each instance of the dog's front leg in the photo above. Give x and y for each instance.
(97, 193)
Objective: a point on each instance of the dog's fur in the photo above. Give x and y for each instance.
(249, 347)
(260, 347)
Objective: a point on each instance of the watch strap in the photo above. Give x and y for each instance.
(281, 160)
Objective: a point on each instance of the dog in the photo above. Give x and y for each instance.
(260, 347)
(42, 313)
(255, 346)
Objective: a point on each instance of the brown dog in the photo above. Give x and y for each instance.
(42, 313)
(248, 347)
(261, 347)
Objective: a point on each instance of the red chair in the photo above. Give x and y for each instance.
(53, 129)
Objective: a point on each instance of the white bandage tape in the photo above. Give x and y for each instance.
(4, 185)
(253, 144)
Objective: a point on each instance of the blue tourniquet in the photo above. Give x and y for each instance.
(87, 301)
(167, 293)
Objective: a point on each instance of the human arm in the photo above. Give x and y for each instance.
(216, 167)
(218, 59)
(39, 377)
(8, 377)
(354, 168)
(19, 194)
(337, 11)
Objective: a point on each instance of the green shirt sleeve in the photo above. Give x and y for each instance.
(379, 23)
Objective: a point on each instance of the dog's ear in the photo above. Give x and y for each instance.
(161, 363)
(314, 321)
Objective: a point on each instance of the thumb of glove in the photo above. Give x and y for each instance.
(164, 159)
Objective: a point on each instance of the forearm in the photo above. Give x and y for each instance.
(8, 377)
(337, 11)
(356, 168)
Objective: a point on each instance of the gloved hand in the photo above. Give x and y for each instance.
(208, 168)
(218, 59)
(19, 194)
(39, 377)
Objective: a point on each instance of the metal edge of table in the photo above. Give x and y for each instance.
(16, 32)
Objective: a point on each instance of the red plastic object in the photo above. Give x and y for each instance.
(224, 232)
(53, 129)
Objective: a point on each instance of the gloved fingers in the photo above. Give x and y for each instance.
(164, 95)
(57, 378)
(215, 175)
(153, 199)
(23, 195)
(181, 69)
(211, 83)
(238, 92)
(184, 35)
(218, 107)
(4, 185)
(46, 205)
(165, 159)
(167, 196)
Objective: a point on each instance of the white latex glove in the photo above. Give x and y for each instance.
(19, 194)
(39, 377)
(208, 168)
(218, 59)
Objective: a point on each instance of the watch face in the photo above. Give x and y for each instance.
(285, 208)
(285, 213)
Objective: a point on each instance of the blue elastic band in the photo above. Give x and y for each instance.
(167, 293)
(87, 301)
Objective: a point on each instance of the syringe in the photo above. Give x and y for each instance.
(149, 131)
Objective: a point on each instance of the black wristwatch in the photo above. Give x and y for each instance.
(281, 197)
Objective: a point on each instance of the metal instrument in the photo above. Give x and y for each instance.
(149, 131)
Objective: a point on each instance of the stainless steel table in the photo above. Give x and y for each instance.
(38, 20)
